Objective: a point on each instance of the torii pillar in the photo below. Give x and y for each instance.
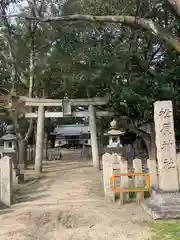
(94, 142)
(39, 140)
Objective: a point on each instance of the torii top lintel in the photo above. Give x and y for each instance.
(59, 102)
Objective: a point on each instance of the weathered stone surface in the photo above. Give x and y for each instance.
(114, 164)
(119, 150)
(6, 180)
(163, 205)
(165, 143)
(14, 158)
(107, 172)
(165, 200)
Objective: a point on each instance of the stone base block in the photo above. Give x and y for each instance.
(162, 205)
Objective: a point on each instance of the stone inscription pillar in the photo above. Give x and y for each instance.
(166, 148)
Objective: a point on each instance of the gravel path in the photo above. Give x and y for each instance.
(66, 203)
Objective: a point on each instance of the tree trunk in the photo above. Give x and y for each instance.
(150, 144)
(22, 153)
(149, 140)
(32, 30)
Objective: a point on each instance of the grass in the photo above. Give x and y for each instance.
(166, 230)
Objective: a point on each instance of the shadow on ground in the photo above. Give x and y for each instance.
(65, 169)
(32, 189)
(28, 198)
(4, 209)
(36, 188)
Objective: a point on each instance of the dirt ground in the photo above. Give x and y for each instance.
(66, 203)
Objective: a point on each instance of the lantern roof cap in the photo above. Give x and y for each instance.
(113, 131)
(9, 137)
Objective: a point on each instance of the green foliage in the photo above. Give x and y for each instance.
(133, 67)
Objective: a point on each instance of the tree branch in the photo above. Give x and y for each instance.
(174, 5)
(136, 130)
(143, 23)
(144, 66)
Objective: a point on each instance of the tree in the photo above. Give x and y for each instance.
(24, 55)
(131, 64)
(136, 106)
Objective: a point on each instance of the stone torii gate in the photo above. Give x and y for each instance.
(66, 105)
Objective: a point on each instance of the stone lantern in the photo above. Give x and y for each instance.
(114, 136)
(10, 140)
(114, 161)
(10, 149)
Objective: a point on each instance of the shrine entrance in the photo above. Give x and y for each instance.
(66, 107)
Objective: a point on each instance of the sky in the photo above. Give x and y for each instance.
(15, 8)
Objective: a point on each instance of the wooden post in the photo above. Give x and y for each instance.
(178, 165)
(22, 159)
(139, 181)
(110, 166)
(94, 142)
(39, 140)
(153, 172)
(124, 181)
